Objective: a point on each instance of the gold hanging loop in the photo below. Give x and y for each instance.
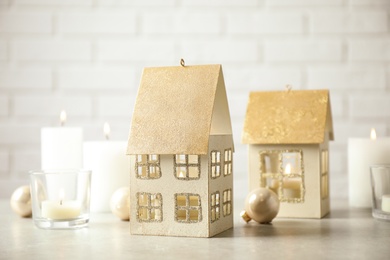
(182, 63)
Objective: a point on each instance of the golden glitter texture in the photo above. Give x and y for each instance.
(288, 117)
(177, 109)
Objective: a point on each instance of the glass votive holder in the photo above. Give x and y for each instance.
(380, 183)
(60, 198)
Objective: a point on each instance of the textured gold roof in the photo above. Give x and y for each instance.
(288, 117)
(177, 109)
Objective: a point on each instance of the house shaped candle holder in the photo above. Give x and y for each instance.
(181, 153)
(287, 133)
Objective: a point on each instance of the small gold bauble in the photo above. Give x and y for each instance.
(21, 201)
(120, 203)
(261, 205)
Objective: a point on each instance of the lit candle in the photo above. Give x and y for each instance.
(110, 169)
(291, 186)
(363, 152)
(61, 209)
(386, 203)
(61, 147)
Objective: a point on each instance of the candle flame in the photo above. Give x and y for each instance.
(106, 130)
(373, 134)
(62, 117)
(287, 169)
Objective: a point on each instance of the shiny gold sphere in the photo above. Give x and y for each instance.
(120, 203)
(262, 205)
(21, 201)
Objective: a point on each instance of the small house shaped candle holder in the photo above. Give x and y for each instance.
(287, 133)
(181, 153)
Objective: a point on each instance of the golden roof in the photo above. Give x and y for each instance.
(177, 109)
(288, 117)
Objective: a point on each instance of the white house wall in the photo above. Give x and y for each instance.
(168, 185)
(221, 142)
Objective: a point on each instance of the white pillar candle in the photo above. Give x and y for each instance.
(363, 152)
(110, 170)
(386, 203)
(61, 209)
(61, 147)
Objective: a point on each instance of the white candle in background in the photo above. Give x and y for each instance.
(363, 152)
(61, 209)
(61, 147)
(110, 169)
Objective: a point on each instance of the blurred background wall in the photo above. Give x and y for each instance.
(87, 56)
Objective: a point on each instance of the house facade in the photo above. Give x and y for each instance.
(181, 152)
(287, 133)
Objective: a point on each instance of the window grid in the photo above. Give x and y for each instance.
(324, 174)
(186, 167)
(149, 207)
(228, 162)
(192, 208)
(215, 206)
(288, 186)
(215, 164)
(227, 202)
(147, 166)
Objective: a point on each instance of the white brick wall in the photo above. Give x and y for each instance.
(87, 56)
(23, 22)
(25, 78)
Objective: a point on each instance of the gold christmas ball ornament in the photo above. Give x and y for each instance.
(21, 201)
(120, 203)
(261, 205)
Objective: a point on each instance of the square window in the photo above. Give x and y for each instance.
(282, 172)
(149, 207)
(188, 208)
(147, 166)
(187, 167)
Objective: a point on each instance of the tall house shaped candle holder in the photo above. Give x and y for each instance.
(287, 133)
(181, 150)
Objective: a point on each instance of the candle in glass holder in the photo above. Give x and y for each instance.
(363, 152)
(60, 198)
(61, 208)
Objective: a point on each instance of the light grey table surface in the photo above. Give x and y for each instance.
(344, 234)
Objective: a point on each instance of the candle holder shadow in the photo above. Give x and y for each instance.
(60, 198)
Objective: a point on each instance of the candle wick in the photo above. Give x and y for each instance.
(107, 137)
(60, 202)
